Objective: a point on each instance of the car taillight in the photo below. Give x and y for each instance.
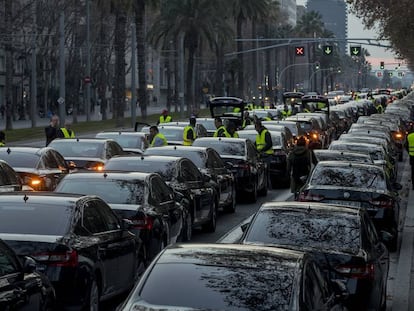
(306, 197)
(36, 183)
(357, 272)
(383, 203)
(142, 222)
(58, 259)
(398, 135)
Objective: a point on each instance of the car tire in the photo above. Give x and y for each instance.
(93, 297)
(188, 228)
(211, 225)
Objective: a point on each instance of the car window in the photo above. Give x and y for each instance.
(189, 172)
(214, 160)
(49, 161)
(92, 219)
(313, 289)
(160, 192)
(60, 160)
(7, 264)
(371, 231)
(8, 176)
(113, 149)
(251, 151)
(107, 214)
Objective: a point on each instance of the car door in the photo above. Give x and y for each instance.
(16, 293)
(202, 192)
(99, 239)
(224, 177)
(123, 243)
(162, 198)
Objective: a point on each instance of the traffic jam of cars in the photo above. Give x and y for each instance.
(85, 220)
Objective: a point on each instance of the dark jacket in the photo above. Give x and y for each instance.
(299, 162)
(51, 133)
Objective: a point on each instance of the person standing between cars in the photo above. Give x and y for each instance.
(246, 119)
(221, 130)
(189, 134)
(164, 117)
(51, 130)
(298, 165)
(155, 138)
(66, 131)
(410, 148)
(2, 139)
(231, 129)
(264, 146)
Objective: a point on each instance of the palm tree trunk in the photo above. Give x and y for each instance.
(218, 85)
(176, 75)
(120, 39)
(101, 79)
(240, 79)
(189, 83)
(255, 45)
(140, 35)
(9, 63)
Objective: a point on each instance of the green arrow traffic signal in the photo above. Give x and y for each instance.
(355, 51)
(327, 50)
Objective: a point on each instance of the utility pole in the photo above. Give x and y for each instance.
(33, 109)
(133, 76)
(182, 80)
(87, 81)
(62, 81)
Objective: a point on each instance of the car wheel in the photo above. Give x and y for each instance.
(211, 225)
(93, 297)
(188, 228)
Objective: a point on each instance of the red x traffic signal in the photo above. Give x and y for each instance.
(299, 50)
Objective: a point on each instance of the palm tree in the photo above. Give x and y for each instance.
(195, 20)
(244, 10)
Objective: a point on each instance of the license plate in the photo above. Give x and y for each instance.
(343, 202)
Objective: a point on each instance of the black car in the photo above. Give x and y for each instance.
(142, 198)
(343, 240)
(198, 196)
(87, 153)
(358, 185)
(319, 155)
(38, 168)
(77, 242)
(250, 172)
(233, 277)
(209, 163)
(21, 287)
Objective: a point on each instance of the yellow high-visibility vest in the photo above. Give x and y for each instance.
(188, 142)
(66, 133)
(410, 140)
(261, 142)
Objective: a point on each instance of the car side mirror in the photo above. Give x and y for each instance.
(29, 265)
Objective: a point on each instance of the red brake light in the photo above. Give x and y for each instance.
(357, 272)
(384, 203)
(142, 222)
(57, 259)
(307, 197)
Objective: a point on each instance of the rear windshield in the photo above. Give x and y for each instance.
(167, 170)
(224, 147)
(33, 218)
(322, 231)
(78, 149)
(125, 141)
(112, 191)
(349, 176)
(172, 134)
(197, 157)
(16, 159)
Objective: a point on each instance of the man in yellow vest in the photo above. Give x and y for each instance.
(410, 149)
(156, 138)
(221, 130)
(264, 147)
(66, 131)
(164, 117)
(189, 134)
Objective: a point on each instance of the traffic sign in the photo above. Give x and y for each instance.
(300, 50)
(61, 100)
(355, 51)
(327, 49)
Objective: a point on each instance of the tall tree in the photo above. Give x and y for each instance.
(244, 10)
(8, 11)
(196, 20)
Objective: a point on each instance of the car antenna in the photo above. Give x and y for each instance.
(142, 157)
(25, 198)
(105, 175)
(309, 209)
(8, 150)
(77, 139)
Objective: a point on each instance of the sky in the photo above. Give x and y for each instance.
(356, 29)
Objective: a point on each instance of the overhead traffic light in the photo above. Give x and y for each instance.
(299, 50)
(382, 65)
(355, 51)
(327, 50)
(317, 65)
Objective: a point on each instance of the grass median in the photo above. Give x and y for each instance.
(17, 135)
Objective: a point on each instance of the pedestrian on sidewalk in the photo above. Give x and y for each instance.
(410, 148)
(51, 131)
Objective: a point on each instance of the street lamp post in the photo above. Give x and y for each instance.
(279, 78)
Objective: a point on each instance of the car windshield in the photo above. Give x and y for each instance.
(223, 147)
(73, 149)
(368, 176)
(34, 218)
(172, 133)
(305, 126)
(167, 170)
(125, 141)
(375, 153)
(18, 159)
(326, 156)
(314, 229)
(222, 283)
(208, 124)
(196, 156)
(110, 190)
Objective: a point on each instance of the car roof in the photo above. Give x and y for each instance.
(349, 164)
(31, 150)
(354, 143)
(110, 175)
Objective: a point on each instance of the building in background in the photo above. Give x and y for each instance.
(288, 11)
(335, 17)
